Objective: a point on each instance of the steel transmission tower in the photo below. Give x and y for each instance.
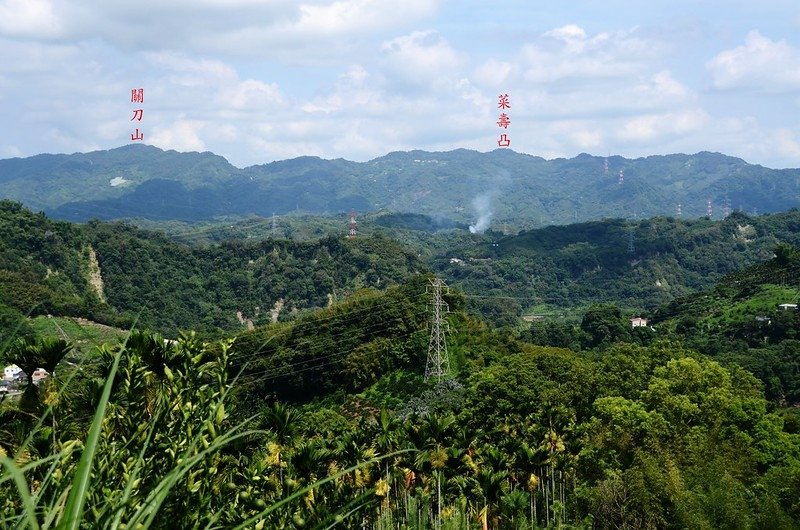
(438, 364)
(352, 224)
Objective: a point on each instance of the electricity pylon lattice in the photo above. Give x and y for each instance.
(438, 363)
(352, 224)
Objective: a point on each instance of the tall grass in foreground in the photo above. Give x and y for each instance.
(160, 452)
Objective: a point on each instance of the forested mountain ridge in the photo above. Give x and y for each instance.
(49, 263)
(139, 181)
(164, 285)
(641, 263)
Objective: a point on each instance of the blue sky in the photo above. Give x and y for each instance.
(263, 80)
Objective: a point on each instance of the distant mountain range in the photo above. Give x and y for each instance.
(502, 186)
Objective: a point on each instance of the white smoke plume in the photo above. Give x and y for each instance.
(483, 207)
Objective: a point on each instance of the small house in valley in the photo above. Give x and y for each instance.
(638, 322)
(11, 371)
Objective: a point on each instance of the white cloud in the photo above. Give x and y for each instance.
(29, 18)
(351, 90)
(10, 151)
(470, 93)
(581, 134)
(182, 135)
(38, 59)
(192, 71)
(422, 58)
(651, 127)
(569, 53)
(748, 138)
(494, 73)
(346, 16)
(760, 63)
(211, 87)
(568, 33)
(358, 78)
(586, 139)
(786, 142)
(237, 28)
(250, 95)
(662, 85)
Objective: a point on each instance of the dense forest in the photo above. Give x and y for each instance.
(232, 276)
(637, 264)
(328, 421)
(47, 266)
(323, 417)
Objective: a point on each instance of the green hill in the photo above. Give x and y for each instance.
(741, 321)
(228, 284)
(520, 435)
(519, 190)
(120, 275)
(639, 264)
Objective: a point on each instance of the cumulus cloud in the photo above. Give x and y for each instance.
(212, 87)
(182, 135)
(569, 53)
(29, 18)
(236, 27)
(10, 151)
(346, 16)
(651, 127)
(352, 90)
(760, 63)
(422, 58)
(569, 75)
(494, 73)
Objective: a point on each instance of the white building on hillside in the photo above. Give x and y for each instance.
(11, 371)
(38, 375)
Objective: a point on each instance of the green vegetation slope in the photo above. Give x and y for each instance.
(139, 181)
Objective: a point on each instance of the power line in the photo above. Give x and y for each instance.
(313, 363)
(309, 342)
(314, 321)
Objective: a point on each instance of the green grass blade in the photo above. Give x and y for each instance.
(22, 488)
(55, 509)
(126, 495)
(32, 465)
(73, 512)
(365, 497)
(152, 503)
